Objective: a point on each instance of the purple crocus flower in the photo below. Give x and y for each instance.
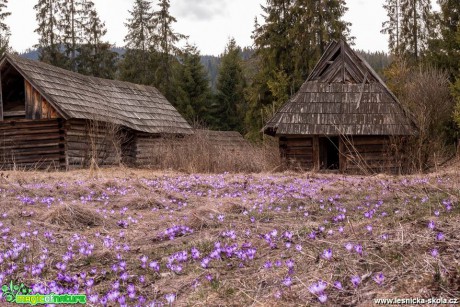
(355, 280)
(170, 298)
(318, 288)
(287, 281)
(322, 298)
(349, 246)
(327, 254)
(359, 249)
(338, 285)
(155, 266)
(379, 278)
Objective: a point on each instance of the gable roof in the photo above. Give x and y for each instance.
(139, 107)
(342, 95)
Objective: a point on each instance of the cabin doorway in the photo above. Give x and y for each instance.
(329, 158)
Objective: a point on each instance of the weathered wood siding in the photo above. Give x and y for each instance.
(91, 141)
(36, 106)
(27, 144)
(147, 148)
(297, 151)
(368, 154)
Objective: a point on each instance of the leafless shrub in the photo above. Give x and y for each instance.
(426, 94)
(105, 143)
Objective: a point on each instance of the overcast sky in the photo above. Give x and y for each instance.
(208, 23)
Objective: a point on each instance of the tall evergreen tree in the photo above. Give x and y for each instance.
(4, 28)
(230, 103)
(136, 64)
(73, 22)
(49, 36)
(165, 40)
(94, 55)
(140, 26)
(392, 26)
(194, 95)
(412, 28)
(444, 45)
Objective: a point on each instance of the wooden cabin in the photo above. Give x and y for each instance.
(51, 117)
(343, 118)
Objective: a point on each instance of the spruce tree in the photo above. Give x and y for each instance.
(230, 103)
(412, 28)
(74, 16)
(165, 40)
(444, 45)
(194, 95)
(95, 57)
(49, 42)
(136, 63)
(392, 26)
(4, 28)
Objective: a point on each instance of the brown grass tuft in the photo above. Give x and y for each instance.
(74, 217)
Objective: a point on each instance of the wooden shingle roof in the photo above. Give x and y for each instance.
(139, 107)
(342, 96)
(223, 138)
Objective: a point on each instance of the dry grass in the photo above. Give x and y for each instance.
(197, 154)
(158, 200)
(74, 217)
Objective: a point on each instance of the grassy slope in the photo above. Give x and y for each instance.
(398, 208)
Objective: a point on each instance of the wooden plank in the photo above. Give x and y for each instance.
(29, 100)
(300, 142)
(369, 140)
(14, 113)
(316, 159)
(342, 157)
(1, 97)
(37, 105)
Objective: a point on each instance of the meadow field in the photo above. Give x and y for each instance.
(128, 237)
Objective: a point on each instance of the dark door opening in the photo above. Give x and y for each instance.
(329, 153)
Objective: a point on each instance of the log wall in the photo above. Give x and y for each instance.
(91, 141)
(297, 151)
(38, 144)
(148, 149)
(368, 154)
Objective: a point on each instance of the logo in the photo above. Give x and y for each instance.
(23, 295)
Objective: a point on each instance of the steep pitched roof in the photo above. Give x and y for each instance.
(342, 95)
(139, 107)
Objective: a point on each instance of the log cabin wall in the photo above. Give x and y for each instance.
(297, 151)
(148, 149)
(37, 144)
(368, 154)
(87, 140)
